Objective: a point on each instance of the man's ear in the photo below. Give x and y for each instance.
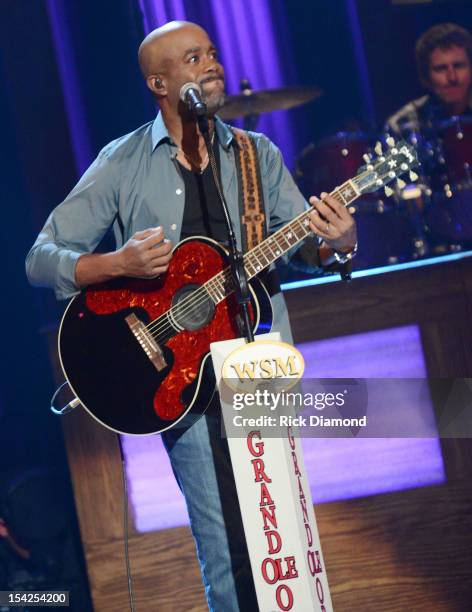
(156, 84)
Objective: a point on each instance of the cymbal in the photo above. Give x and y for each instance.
(266, 101)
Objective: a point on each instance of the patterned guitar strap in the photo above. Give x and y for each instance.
(251, 197)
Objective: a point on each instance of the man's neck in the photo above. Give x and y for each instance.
(457, 109)
(449, 110)
(185, 133)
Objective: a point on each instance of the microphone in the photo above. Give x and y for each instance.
(191, 95)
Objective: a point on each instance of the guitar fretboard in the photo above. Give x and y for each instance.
(276, 245)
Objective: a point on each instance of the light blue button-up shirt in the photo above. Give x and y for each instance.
(134, 184)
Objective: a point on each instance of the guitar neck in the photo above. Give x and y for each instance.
(276, 245)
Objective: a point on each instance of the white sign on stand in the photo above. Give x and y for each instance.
(273, 491)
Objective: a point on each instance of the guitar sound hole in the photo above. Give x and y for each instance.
(197, 311)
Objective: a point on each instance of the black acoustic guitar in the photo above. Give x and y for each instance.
(136, 352)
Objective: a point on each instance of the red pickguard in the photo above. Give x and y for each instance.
(192, 262)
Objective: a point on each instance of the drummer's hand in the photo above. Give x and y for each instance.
(333, 222)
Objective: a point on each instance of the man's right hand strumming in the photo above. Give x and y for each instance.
(145, 255)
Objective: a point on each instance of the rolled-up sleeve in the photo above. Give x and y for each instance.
(75, 227)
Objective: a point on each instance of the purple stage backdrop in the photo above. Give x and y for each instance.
(337, 468)
(66, 63)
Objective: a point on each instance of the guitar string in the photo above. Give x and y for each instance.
(188, 304)
(167, 331)
(161, 323)
(265, 249)
(215, 284)
(165, 327)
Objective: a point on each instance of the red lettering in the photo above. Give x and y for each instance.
(256, 450)
(265, 574)
(266, 499)
(304, 510)
(266, 515)
(278, 573)
(309, 535)
(292, 570)
(291, 437)
(295, 464)
(283, 588)
(300, 489)
(319, 590)
(271, 536)
(258, 465)
(314, 562)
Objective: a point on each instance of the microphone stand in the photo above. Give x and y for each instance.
(240, 280)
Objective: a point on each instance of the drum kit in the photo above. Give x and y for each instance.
(431, 217)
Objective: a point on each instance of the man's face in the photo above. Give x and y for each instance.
(195, 59)
(450, 75)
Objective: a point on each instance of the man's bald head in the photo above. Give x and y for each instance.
(157, 50)
(181, 52)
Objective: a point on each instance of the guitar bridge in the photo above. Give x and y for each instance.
(147, 342)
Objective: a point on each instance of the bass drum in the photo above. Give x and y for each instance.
(449, 215)
(324, 165)
(385, 229)
(385, 234)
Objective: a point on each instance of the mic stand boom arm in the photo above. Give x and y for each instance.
(238, 270)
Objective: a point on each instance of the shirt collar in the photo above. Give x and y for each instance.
(160, 133)
(224, 133)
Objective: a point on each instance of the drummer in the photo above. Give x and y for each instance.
(444, 63)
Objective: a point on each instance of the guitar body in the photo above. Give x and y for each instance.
(109, 370)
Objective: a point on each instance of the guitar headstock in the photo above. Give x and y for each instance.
(400, 158)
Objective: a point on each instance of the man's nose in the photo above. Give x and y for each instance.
(452, 74)
(212, 64)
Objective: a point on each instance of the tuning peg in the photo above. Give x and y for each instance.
(413, 176)
(388, 191)
(401, 184)
(378, 148)
(367, 158)
(390, 141)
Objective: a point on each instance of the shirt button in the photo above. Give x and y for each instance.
(178, 191)
(173, 227)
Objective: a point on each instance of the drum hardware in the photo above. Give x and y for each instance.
(251, 102)
(413, 197)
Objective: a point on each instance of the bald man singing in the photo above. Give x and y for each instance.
(155, 187)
